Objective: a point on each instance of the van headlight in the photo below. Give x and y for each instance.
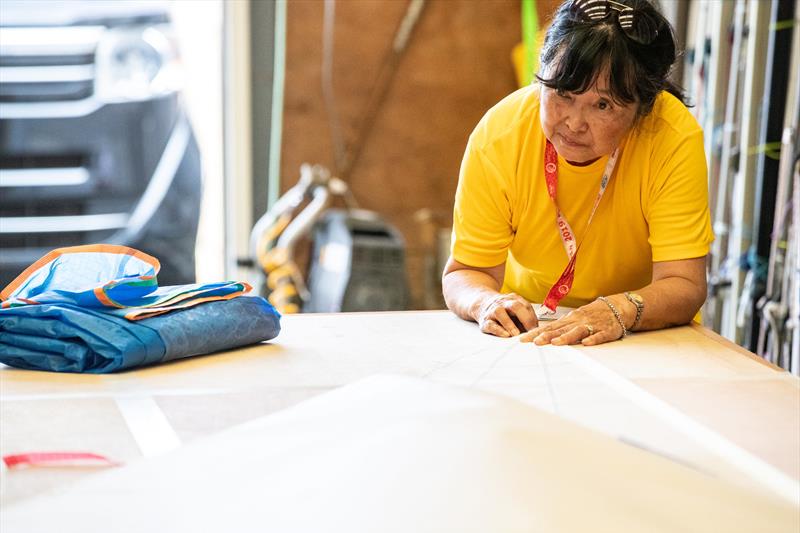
(136, 64)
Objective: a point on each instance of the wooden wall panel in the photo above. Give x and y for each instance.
(456, 66)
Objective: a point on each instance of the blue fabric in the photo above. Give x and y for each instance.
(67, 338)
(107, 276)
(74, 274)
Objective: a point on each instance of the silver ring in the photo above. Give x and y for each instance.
(590, 329)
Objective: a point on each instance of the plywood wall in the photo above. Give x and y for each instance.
(455, 68)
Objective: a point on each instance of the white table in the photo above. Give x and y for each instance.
(684, 393)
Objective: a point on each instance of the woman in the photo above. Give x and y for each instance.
(587, 189)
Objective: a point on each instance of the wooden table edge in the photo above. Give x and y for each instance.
(733, 346)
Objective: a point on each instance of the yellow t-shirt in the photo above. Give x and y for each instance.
(654, 209)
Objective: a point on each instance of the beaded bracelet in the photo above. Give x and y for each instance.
(616, 315)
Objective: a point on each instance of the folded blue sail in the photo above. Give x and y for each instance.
(68, 338)
(100, 275)
(109, 277)
(98, 309)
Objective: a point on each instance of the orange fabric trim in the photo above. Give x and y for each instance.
(11, 287)
(49, 256)
(100, 294)
(155, 311)
(7, 305)
(182, 297)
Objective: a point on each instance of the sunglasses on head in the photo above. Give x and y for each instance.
(638, 26)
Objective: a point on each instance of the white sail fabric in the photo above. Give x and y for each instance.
(397, 454)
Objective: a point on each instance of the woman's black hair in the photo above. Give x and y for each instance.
(576, 52)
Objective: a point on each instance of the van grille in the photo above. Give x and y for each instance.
(48, 64)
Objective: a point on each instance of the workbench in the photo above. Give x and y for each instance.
(683, 393)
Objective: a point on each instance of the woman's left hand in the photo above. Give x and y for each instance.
(591, 324)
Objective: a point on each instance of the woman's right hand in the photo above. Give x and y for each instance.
(473, 294)
(506, 315)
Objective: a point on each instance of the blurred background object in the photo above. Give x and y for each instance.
(94, 143)
(453, 66)
(357, 261)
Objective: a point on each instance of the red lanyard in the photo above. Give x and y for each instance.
(564, 283)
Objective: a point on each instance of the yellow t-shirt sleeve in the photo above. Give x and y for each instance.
(482, 230)
(677, 209)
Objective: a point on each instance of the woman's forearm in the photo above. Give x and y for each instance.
(671, 301)
(466, 290)
(673, 298)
